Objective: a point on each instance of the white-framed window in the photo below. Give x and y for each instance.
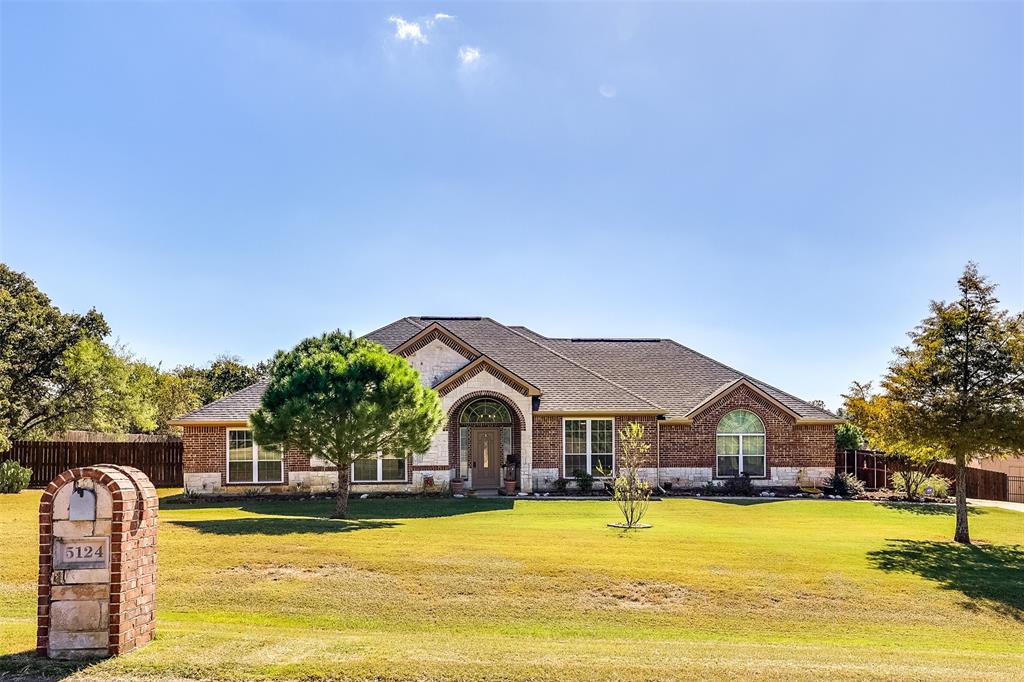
(588, 445)
(250, 463)
(379, 470)
(740, 445)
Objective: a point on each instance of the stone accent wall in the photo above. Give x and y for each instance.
(480, 385)
(88, 612)
(436, 361)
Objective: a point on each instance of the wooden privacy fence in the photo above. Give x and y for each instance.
(871, 467)
(160, 460)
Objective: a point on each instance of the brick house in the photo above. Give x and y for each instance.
(554, 404)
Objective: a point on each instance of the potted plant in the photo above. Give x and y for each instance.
(458, 486)
(511, 466)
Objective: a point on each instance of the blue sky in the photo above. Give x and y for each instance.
(781, 186)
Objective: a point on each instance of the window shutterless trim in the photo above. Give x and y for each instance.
(380, 472)
(589, 454)
(255, 461)
(740, 455)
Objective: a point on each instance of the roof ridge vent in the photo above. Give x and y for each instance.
(611, 340)
(451, 318)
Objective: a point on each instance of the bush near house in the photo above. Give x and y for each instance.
(844, 485)
(13, 477)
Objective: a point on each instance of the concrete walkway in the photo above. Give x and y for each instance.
(1013, 506)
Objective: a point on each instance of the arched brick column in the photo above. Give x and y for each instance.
(133, 516)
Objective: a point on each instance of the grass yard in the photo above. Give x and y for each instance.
(535, 589)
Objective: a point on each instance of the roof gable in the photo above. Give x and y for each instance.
(435, 332)
(485, 364)
(731, 387)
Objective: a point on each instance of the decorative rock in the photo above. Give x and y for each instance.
(78, 616)
(60, 641)
(104, 504)
(73, 529)
(84, 575)
(72, 592)
(62, 503)
(364, 496)
(460, 495)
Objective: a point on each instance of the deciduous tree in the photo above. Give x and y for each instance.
(36, 340)
(631, 492)
(957, 391)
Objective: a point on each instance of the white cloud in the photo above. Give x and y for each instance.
(408, 30)
(437, 19)
(607, 91)
(469, 55)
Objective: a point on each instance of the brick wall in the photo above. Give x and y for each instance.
(205, 452)
(547, 440)
(787, 445)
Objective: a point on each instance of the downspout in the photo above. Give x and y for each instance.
(657, 451)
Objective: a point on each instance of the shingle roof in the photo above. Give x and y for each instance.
(235, 407)
(631, 375)
(668, 373)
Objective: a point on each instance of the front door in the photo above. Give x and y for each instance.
(485, 457)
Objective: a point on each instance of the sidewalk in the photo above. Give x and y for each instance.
(1013, 506)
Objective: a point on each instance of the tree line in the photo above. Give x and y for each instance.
(60, 371)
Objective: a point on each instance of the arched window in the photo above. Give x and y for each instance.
(485, 411)
(740, 445)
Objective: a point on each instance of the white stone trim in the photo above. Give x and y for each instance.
(202, 482)
(788, 477)
(686, 477)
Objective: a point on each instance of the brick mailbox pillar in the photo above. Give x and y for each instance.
(97, 562)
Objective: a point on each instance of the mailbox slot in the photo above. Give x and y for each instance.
(83, 504)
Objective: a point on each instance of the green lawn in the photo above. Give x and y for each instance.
(535, 589)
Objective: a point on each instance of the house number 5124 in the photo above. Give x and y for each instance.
(83, 553)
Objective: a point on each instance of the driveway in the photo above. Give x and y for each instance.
(1012, 506)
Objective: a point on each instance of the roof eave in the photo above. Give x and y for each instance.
(208, 422)
(602, 413)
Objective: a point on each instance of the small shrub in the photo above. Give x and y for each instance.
(584, 481)
(561, 485)
(919, 486)
(712, 488)
(667, 486)
(845, 485)
(939, 484)
(739, 487)
(13, 477)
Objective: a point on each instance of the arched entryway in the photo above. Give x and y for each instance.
(488, 442)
